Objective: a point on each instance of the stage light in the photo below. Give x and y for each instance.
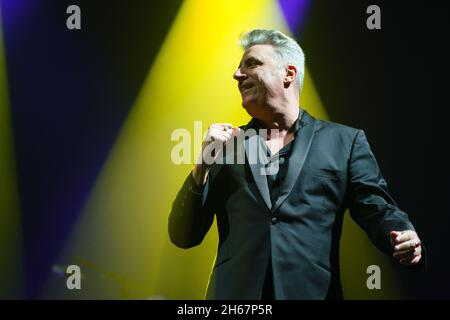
(123, 225)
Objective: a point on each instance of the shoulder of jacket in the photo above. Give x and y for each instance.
(336, 128)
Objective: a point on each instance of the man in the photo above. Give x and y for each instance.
(279, 231)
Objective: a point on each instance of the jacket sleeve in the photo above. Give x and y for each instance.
(370, 204)
(191, 215)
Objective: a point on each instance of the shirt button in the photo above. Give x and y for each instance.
(274, 220)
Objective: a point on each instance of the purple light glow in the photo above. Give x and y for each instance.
(294, 12)
(14, 12)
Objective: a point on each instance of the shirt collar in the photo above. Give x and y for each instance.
(257, 124)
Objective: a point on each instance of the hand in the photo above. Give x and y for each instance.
(407, 247)
(217, 136)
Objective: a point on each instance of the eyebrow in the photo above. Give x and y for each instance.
(246, 60)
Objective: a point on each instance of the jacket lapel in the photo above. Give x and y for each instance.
(297, 159)
(252, 150)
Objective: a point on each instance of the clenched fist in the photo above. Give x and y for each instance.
(217, 136)
(407, 247)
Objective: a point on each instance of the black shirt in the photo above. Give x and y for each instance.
(274, 184)
(282, 157)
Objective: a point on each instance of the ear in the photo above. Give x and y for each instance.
(290, 75)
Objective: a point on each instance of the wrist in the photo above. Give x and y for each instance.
(199, 176)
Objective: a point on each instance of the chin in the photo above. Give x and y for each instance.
(247, 102)
(251, 110)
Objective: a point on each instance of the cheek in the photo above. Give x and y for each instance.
(276, 83)
(262, 83)
(270, 80)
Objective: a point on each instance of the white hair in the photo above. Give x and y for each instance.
(286, 47)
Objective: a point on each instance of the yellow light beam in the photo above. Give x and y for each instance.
(123, 226)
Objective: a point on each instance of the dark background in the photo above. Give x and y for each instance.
(394, 84)
(70, 93)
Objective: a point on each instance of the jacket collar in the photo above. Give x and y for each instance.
(305, 126)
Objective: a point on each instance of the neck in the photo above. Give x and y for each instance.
(282, 118)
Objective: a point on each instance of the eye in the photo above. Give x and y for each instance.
(252, 62)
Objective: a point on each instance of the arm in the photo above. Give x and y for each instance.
(192, 212)
(191, 216)
(374, 210)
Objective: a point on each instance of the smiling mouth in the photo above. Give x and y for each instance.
(245, 87)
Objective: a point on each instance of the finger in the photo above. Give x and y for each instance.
(224, 134)
(409, 253)
(221, 126)
(218, 135)
(410, 262)
(404, 255)
(405, 236)
(219, 138)
(410, 244)
(401, 245)
(235, 131)
(214, 141)
(219, 129)
(416, 259)
(222, 129)
(394, 235)
(397, 253)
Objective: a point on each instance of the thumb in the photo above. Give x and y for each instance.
(236, 131)
(394, 235)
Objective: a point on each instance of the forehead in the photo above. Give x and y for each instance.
(262, 52)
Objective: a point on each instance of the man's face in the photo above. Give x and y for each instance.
(260, 78)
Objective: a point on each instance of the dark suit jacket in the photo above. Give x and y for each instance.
(331, 168)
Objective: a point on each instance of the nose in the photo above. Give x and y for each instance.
(238, 75)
